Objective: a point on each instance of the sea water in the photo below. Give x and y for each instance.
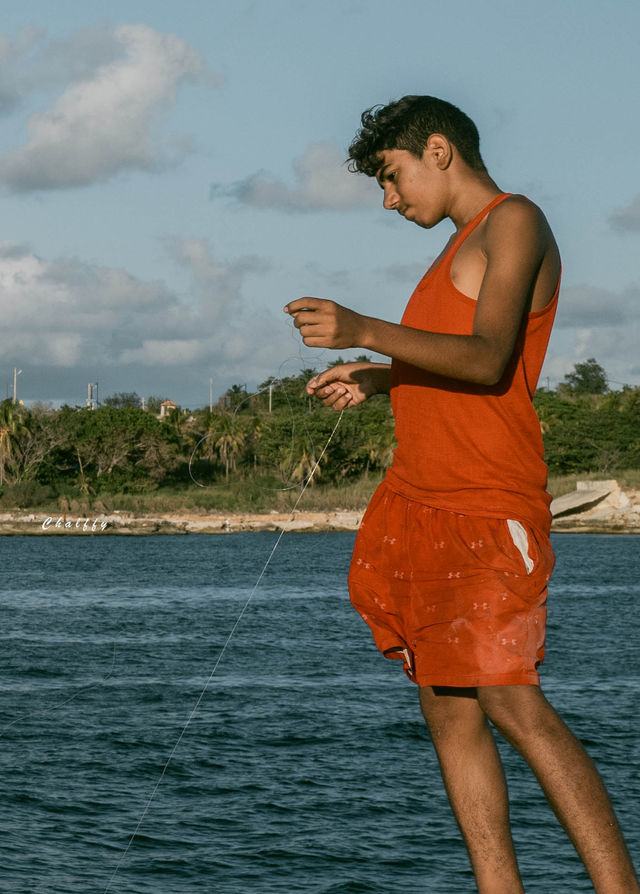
(307, 766)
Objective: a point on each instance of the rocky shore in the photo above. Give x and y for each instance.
(594, 507)
(128, 524)
(597, 507)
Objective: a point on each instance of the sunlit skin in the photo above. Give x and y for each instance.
(509, 265)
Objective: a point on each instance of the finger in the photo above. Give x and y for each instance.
(304, 318)
(327, 390)
(330, 395)
(299, 304)
(341, 403)
(324, 378)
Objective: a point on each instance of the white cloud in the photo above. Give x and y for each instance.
(597, 323)
(163, 352)
(216, 284)
(14, 55)
(106, 119)
(585, 306)
(321, 183)
(63, 314)
(627, 219)
(31, 63)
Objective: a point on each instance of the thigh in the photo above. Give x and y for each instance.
(451, 711)
(478, 600)
(380, 573)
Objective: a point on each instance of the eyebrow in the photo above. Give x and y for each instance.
(380, 174)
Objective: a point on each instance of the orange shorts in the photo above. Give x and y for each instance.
(459, 598)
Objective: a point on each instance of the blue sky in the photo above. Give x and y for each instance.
(171, 175)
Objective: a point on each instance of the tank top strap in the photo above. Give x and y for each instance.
(470, 227)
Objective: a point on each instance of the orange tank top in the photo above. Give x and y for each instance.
(468, 448)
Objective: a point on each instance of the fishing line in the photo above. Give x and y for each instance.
(194, 710)
(55, 707)
(277, 382)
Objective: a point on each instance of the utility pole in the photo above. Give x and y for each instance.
(270, 393)
(92, 395)
(211, 395)
(16, 373)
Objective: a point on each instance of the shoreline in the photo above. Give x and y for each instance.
(602, 519)
(595, 507)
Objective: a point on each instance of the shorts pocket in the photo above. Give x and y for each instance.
(521, 542)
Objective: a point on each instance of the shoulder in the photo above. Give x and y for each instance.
(518, 210)
(518, 221)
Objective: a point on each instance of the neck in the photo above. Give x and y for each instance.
(469, 196)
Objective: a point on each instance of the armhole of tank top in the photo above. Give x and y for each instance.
(551, 303)
(446, 262)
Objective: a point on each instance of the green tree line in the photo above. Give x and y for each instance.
(273, 437)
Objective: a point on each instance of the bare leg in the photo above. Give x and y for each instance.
(568, 778)
(475, 783)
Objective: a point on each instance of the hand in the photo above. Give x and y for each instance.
(325, 324)
(349, 384)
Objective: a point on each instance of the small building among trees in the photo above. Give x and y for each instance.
(167, 407)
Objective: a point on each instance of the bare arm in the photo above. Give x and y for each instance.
(515, 241)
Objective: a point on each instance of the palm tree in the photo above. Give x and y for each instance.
(229, 442)
(379, 447)
(11, 427)
(235, 396)
(305, 466)
(299, 459)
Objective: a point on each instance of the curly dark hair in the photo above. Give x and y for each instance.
(407, 124)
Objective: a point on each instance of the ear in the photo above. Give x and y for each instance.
(439, 151)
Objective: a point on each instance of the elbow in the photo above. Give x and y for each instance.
(489, 378)
(491, 371)
(492, 359)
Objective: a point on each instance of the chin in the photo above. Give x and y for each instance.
(425, 224)
(413, 218)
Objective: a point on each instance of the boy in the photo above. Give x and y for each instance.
(451, 564)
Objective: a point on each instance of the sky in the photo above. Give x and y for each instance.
(172, 173)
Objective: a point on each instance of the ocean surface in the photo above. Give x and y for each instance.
(306, 767)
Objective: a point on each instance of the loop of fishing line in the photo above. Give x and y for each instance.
(278, 381)
(275, 383)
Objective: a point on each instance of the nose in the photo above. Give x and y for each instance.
(390, 199)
